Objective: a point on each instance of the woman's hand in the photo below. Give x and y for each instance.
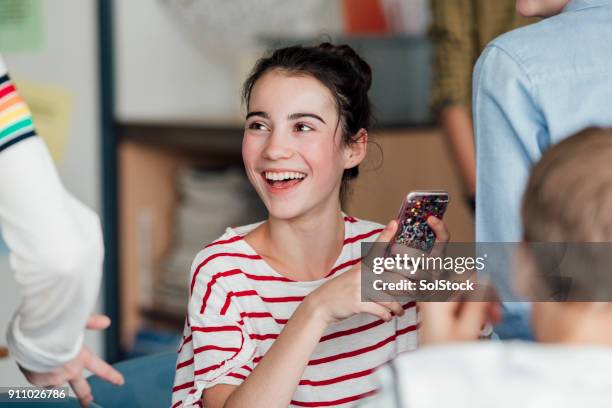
(442, 235)
(398, 275)
(340, 298)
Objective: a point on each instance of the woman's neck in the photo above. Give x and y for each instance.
(303, 248)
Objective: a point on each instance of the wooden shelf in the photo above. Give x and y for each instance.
(213, 139)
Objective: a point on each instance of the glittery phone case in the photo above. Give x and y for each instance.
(413, 229)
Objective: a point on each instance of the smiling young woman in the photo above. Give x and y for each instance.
(276, 317)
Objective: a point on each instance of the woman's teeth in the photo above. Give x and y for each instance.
(287, 175)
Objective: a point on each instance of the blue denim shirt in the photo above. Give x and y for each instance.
(533, 87)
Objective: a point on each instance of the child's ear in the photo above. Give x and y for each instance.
(356, 151)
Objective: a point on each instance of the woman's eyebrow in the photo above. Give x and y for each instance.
(258, 113)
(298, 115)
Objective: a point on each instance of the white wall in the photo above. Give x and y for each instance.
(161, 74)
(165, 73)
(67, 59)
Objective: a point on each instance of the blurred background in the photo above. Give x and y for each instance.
(139, 102)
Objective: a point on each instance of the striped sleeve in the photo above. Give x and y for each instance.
(216, 348)
(15, 118)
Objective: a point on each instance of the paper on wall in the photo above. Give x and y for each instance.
(51, 108)
(20, 25)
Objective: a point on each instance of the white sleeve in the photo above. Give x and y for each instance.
(56, 252)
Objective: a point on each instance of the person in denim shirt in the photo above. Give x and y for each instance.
(533, 87)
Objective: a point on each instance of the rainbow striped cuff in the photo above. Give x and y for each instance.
(15, 117)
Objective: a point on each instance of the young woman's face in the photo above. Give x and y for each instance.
(292, 147)
(540, 8)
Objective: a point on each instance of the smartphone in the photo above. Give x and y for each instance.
(413, 229)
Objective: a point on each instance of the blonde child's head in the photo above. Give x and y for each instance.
(569, 194)
(568, 200)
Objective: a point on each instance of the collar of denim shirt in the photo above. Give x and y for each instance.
(575, 5)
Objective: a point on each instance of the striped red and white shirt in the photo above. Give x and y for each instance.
(238, 306)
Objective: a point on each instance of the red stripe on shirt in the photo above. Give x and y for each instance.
(236, 375)
(230, 295)
(263, 336)
(185, 341)
(345, 377)
(319, 383)
(409, 305)
(282, 299)
(206, 348)
(218, 255)
(184, 363)
(178, 403)
(343, 265)
(334, 402)
(258, 315)
(361, 328)
(213, 329)
(209, 368)
(362, 236)
(352, 331)
(183, 386)
(332, 335)
(232, 272)
(224, 241)
(212, 282)
(364, 349)
(216, 329)
(213, 347)
(350, 219)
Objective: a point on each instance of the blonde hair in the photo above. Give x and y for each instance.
(569, 194)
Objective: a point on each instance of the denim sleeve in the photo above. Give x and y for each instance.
(508, 126)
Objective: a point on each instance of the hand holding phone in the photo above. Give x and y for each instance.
(418, 206)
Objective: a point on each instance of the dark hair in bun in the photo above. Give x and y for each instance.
(341, 70)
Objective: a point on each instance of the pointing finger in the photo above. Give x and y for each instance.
(105, 371)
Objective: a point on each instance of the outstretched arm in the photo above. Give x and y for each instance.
(55, 243)
(56, 252)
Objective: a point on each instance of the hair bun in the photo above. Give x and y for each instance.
(348, 54)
